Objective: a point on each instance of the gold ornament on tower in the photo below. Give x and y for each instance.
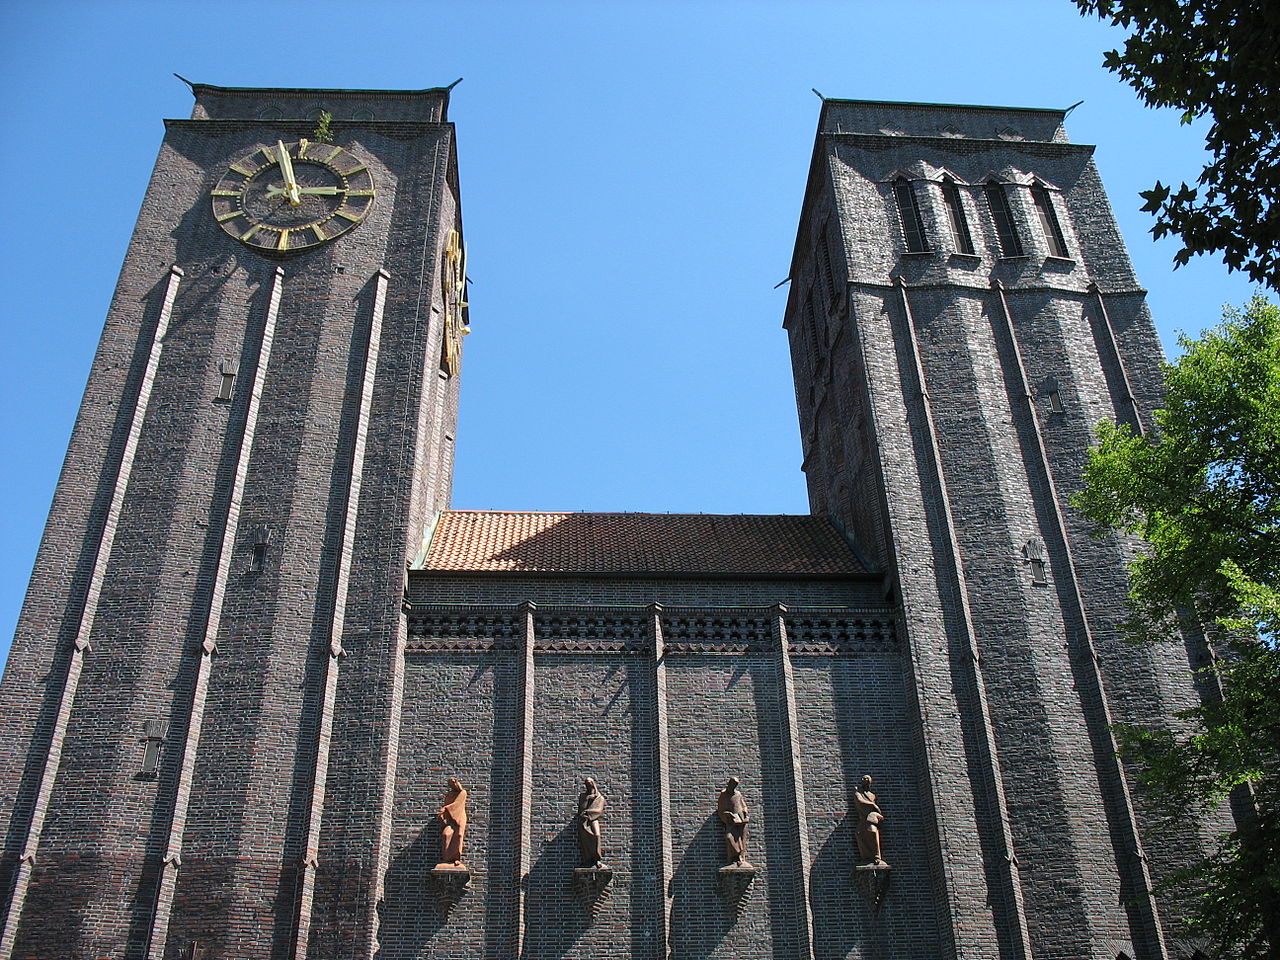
(454, 280)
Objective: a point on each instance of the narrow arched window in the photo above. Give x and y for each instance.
(1049, 224)
(912, 222)
(1002, 214)
(960, 235)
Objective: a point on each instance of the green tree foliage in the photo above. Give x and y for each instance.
(1220, 59)
(1203, 491)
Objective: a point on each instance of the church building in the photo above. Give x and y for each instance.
(271, 699)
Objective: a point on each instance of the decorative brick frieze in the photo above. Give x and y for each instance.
(590, 629)
(625, 629)
(464, 629)
(716, 631)
(815, 632)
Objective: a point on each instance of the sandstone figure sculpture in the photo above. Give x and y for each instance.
(453, 825)
(590, 812)
(870, 816)
(732, 811)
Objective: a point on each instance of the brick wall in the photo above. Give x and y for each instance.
(925, 385)
(163, 492)
(661, 740)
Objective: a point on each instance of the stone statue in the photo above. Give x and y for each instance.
(453, 825)
(732, 811)
(590, 810)
(870, 816)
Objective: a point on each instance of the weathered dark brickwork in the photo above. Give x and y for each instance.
(229, 716)
(947, 400)
(197, 546)
(660, 689)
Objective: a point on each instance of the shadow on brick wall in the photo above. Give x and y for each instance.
(410, 917)
(555, 920)
(833, 897)
(699, 918)
(645, 898)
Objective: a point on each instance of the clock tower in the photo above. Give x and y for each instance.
(195, 729)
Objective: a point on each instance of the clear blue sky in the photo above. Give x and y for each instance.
(631, 177)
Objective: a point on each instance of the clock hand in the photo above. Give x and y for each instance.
(304, 191)
(286, 167)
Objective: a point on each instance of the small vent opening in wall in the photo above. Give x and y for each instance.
(1033, 554)
(227, 370)
(1053, 393)
(261, 543)
(154, 732)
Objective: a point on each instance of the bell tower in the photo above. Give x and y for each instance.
(962, 311)
(195, 710)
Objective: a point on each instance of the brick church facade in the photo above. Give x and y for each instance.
(257, 643)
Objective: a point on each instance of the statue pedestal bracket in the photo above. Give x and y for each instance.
(591, 885)
(733, 882)
(447, 883)
(872, 881)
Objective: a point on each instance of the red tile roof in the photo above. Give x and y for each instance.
(639, 543)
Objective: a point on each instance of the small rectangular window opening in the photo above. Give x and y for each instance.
(259, 557)
(151, 756)
(1002, 214)
(909, 211)
(955, 213)
(1034, 554)
(1037, 572)
(1055, 402)
(1049, 223)
(227, 369)
(154, 732)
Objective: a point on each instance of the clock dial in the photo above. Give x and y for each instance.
(454, 278)
(290, 197)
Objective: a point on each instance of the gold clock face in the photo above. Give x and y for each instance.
(454, 279)
(289, 197)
